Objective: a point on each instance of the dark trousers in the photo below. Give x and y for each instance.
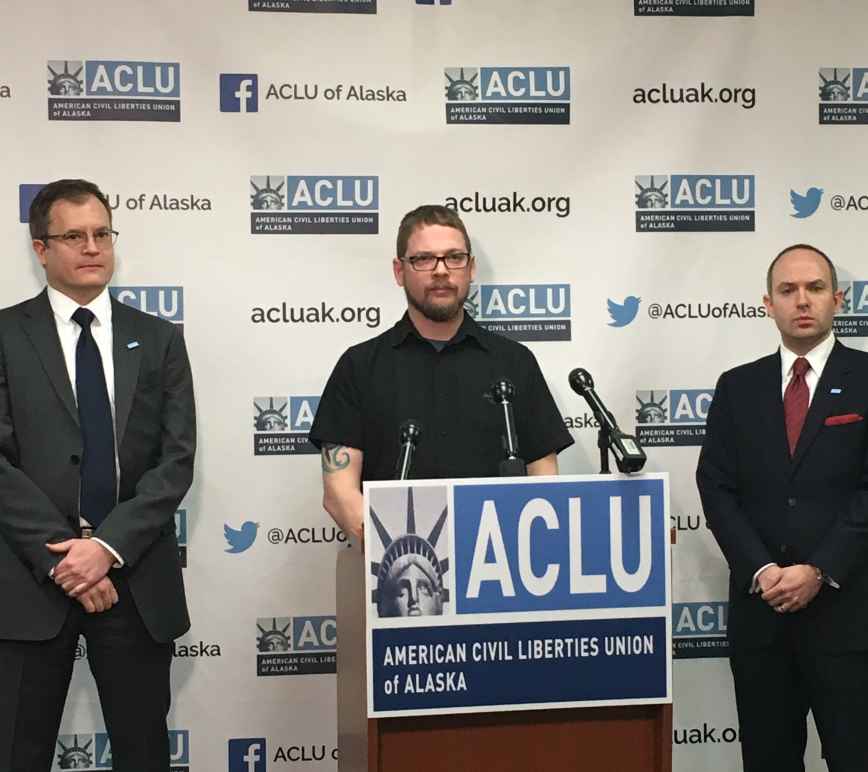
(775, 687)
(132, 677)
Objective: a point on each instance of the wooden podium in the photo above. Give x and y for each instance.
(608, 739)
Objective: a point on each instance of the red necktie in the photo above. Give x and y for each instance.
(796, 402)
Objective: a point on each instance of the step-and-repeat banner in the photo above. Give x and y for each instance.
(626, 168)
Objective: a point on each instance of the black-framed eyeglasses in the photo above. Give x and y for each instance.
(454, 261)
(104, 237)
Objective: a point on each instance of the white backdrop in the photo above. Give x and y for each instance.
(767, 135)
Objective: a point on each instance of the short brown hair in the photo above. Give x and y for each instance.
(61, 190)
(793, 247)
(429, 214)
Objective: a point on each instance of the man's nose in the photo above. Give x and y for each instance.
(90, 244)
(440, 267)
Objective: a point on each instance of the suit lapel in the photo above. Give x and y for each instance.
(38, 324)
(833, 376)
(126, 362)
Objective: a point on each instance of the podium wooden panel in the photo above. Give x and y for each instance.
(610, 739)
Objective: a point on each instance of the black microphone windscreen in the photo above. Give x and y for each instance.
(581, 381)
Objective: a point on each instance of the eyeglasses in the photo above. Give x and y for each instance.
(454, 261)
(103, 238)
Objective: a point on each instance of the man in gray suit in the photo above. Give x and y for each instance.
(97, 438)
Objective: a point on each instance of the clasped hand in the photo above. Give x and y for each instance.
(789, 589)
(81, 574)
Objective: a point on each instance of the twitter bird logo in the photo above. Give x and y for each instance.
(623, 313)
(241, 539)
(806, 205)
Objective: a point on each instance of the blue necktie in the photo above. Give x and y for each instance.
(98, 482)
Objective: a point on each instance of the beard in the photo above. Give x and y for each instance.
(438, 312)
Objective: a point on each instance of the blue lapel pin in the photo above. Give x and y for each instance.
(133, 344)
(834, 391)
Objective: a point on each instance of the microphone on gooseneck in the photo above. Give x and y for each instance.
(503, 393)
(409, 434)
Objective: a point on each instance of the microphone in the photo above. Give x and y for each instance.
(410, 432)
(628, 455)
(503, 392)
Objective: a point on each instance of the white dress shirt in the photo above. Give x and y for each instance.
(101, 329)
(817, 358)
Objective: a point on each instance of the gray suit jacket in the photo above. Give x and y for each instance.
(40, 452)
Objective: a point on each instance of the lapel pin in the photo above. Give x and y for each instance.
(135, 344)
(834, 391)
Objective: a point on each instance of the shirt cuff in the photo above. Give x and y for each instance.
(826, 579)
(119, 561)
(754, 587)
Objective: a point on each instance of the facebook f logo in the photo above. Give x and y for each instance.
(239, 93)
(247, 755)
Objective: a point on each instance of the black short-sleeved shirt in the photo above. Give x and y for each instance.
(379, 384)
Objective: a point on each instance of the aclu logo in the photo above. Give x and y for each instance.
(92, 751)
(314, 204)
(113, 90)
(843, 93)
(672, 417)
(301, 645)
(699, 630)
(163, 302)
(526, 312)
(282, 425)
(516, 95)
(181, 536)
(852, 321)
(693, 8)
(239, 93)
(313, 6)
(695, 202)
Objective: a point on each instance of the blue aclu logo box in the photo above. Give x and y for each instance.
(571, 545)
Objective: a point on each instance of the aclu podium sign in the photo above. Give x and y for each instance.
(495, 595)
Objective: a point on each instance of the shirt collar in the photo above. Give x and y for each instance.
(817, 356)
(469, 329)
(64, 306)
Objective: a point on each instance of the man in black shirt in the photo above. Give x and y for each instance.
(435, 366)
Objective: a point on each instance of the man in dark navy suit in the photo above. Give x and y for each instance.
(97, 437)
(783, 477)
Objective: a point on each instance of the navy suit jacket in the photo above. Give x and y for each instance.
(765, 507)
(40, 449)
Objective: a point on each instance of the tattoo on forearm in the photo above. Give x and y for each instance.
(334, 458)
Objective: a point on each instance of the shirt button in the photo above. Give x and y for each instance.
(74, 459)
(442, 432)
(784, 549)
(791, 502)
